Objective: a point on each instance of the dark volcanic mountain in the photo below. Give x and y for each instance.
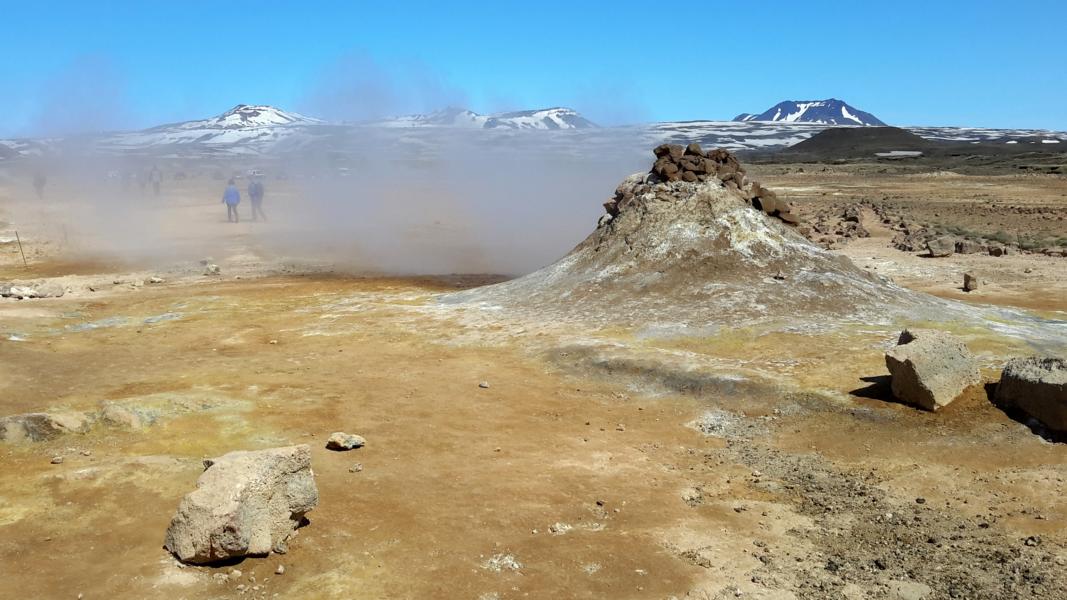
(848, 142)
(827, 112)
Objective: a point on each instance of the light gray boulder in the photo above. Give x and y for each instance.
(244, 504)
(340, 440)
(50, 289)
(941, 246)
(1037, 386)
(38, 427)
(930, 368)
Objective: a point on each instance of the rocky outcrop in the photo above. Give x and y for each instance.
(692, 164)
(244, 504)
(25, 290)
(1037, 386)
(38, 427)
(930, 368)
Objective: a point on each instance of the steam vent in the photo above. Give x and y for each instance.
(693, 242)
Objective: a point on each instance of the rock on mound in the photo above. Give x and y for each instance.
(692, 241)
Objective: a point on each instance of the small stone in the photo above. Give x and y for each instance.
(1034, 540)
(155, 280)
(970, 282)
(356, 468)
(57, 460)
(920, 500)
(280, 570)
(212, 270)
(340, 441)
(484, 385)
(780, 276)
(274, 342)
(235, 574)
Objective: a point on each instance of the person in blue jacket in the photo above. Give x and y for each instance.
(231, 198)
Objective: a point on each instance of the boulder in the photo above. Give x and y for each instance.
(969, 247)
(941, 246)
(245, 504)
(340, 440)
(665, 168)
(852, 213)
(120, 416)
(1037, 386)
(50, 289)
(38, 427)
(930, 368)
(789, 217)
(693, 149)
(20, 291)
(692, 163)
(970, 282)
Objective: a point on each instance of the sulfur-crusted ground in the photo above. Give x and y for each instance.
(603, 461)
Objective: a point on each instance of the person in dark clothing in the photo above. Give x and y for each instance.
(255, 194)
(231, 198)
(155, 177)
(38, 184)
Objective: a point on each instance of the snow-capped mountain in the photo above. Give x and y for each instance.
(825, 112)
(244, 116)
(268, 131)
(546, 118)
(446, 117)
(241, 124)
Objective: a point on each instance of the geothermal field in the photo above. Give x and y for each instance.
(689, 360)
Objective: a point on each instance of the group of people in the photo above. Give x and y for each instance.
(232, 197)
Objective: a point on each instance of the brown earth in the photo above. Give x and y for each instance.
(584, 462)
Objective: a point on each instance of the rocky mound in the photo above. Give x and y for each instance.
(692, 165)
(684, 244)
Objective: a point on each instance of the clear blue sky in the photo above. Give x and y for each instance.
(97, 64)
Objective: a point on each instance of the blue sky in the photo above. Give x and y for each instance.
(71, 66)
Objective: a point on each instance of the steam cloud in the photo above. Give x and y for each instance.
(411, 201)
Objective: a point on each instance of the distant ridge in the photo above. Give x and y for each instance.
(848, 142)
(545, 118)
(826, 112)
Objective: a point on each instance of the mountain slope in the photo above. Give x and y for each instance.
(236, 127)
(827, 112)
(847, 142)
(546, 118)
